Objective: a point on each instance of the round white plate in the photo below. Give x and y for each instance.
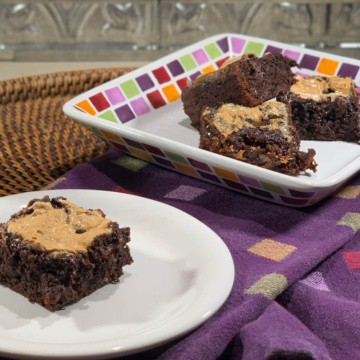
(182, 273)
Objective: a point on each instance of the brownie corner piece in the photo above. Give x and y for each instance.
(55, 253)
(324, 108)
(246, 80)
(261, 136)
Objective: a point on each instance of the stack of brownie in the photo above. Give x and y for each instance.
(229, 108)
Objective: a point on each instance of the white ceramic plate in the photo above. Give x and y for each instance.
(182, 273)
(141, 113)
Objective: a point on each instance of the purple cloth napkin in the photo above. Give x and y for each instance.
(296, 293)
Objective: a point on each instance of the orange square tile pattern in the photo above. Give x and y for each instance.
(327, 66)
(171, 93)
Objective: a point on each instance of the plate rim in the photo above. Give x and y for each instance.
(112, 347)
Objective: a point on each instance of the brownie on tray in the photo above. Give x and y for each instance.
(261, 135)
(55, 253)
(324, 108)
(247, 81)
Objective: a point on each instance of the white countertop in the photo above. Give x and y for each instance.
(11, 70)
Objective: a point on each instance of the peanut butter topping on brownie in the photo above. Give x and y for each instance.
(272, 116)
(67, 229)
(321, 88)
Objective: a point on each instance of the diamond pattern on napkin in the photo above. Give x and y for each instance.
(352, 220)
(273, 250)
(352, 259)
(349, 192)
(316, 281)
(186, 193)
(270, 285)
(130, 163)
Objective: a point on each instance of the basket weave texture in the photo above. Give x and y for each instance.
(38, 143)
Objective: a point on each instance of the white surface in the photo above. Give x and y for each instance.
(168, 129)
(182, 273)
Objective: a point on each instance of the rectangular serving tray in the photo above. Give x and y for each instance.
(141, 114)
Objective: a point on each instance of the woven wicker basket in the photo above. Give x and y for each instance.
(38, 143)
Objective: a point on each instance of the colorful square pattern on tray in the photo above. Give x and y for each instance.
(140, 106)
(115, 95)
(309, 62)
(295, 55)
(175, 68)
(200, 56)
(273, 49)
(173, 76)
(163, 84)
(145, 82)
(99, 101)
(223, 177)
(156, 99)
(161, 75)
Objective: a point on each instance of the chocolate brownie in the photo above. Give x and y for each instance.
(324, 108)
(247, 81)
(55, 253)
(261, 135)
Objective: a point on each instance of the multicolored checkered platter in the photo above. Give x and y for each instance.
(141, 114)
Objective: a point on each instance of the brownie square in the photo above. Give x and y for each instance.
(55, 253)
(324, 108)
(261, 135)
(246, 80)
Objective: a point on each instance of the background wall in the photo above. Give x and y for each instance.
(65, 30)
